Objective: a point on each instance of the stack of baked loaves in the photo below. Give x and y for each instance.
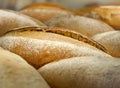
(45, 45)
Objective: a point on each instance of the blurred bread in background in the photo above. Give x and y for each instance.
(74, 4)
(109, 14)
(45, 11)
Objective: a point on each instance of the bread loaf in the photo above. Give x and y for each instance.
(17, 73)
(40, 47)
(84, 25)
(110, 40)
(45, 11)
(83, 72)
(84, 10)
(9, 20)
(108, 14)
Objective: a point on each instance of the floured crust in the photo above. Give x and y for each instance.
(83, 72)
(54, 31)
(110, 40)
(39, 51)
(109, 14)
(15, 71)
(44, 12)
(83, 25)
(10, 20)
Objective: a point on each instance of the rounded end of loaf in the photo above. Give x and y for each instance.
(15, 71)
(110, 40)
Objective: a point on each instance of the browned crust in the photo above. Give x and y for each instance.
(40, 5)
(107, 13)
(66, 33)
(47, 6)
(85, 10)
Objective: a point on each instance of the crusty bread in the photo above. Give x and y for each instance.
(44, 5)
(10, 20)
(110, 40)
(108, 14)
(84, 25)
(84, 10)
(39, 47)
(113, 3)
(17, 73)
(45, 11)
(83, 72)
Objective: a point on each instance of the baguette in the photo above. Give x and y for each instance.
(17, 73)
(45, 11)
(84, 25)
(83, 72)
(39, 47)
(10, 20)
(109, 14)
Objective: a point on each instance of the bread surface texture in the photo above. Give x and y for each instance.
(83, 72)
(17, 73)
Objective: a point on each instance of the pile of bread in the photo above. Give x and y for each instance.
(45, 45)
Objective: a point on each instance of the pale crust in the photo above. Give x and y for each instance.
(83, 25)
(108, 14)
(10, 20)
(110, 40)
(40, 50)
(45, 11)
(17, 73)
(83, 72)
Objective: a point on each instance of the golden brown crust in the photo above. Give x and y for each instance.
(42, 46)
(15, 71)
(85, 10)
(45, 11)
(84, 25)
(59, 31)
(109, 14)
(10, 20)
(44, 5)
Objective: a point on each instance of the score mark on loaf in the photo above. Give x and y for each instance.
(39, 47)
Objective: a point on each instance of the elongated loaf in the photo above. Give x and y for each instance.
(17, 73)
(83, 72)
(10, 20)
(39, 46)
(45, 11)
(84, 25)
(109, 14)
